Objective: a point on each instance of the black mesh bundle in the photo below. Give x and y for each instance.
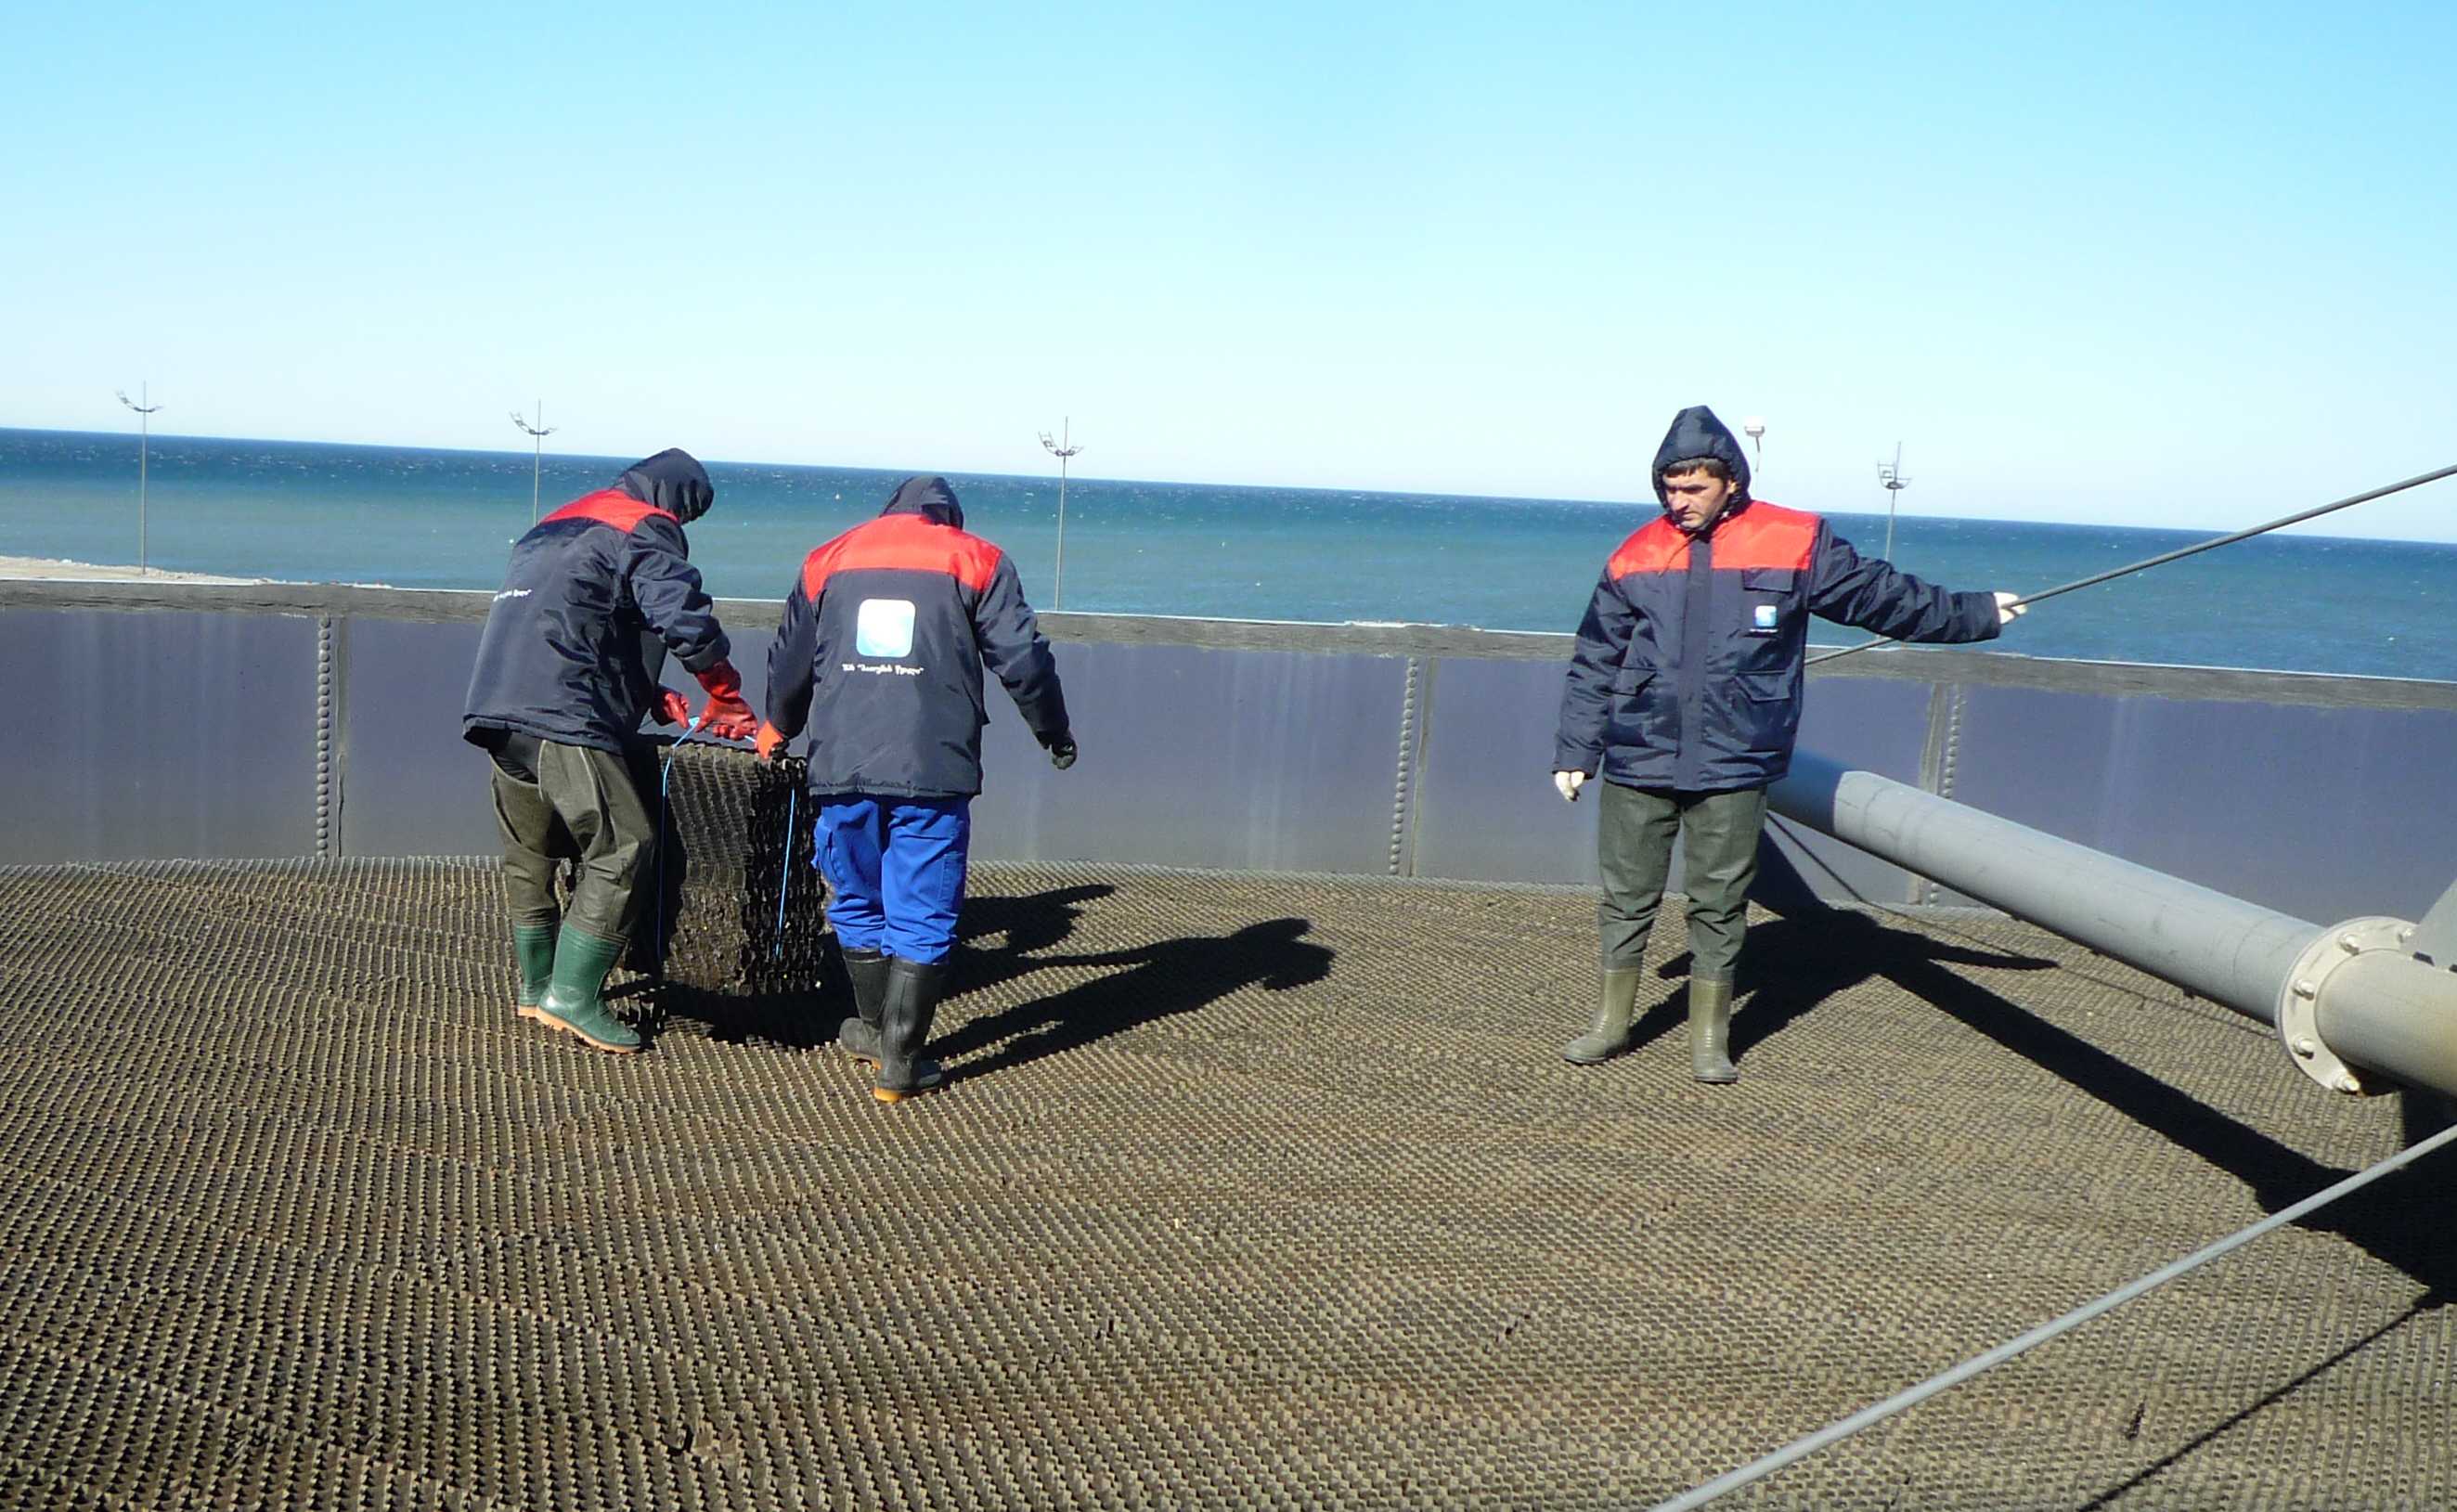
(713, 922)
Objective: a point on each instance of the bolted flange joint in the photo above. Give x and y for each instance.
(2299, 1002)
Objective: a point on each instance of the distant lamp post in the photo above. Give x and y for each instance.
(537, 435)
(1890, 478)
(1754, 427)
(1062, 450)
(144, 435)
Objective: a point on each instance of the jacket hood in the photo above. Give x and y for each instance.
(1695, 434)
(673, 481)
(929, 497)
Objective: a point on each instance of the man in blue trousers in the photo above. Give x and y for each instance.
(880, 656)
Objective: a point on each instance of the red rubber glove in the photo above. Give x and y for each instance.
(726, 717)
(768, 740)
(673, 708)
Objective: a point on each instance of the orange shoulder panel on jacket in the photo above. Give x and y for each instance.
(1766, 535)
(902, 542)
(605, 507)
(1656, 546)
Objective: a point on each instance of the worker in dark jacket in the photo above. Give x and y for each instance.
(598, 593)
(1684, 696)
(880, 656)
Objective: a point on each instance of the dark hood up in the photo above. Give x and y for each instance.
(1696, 433)
(929, 497)
(673, 481)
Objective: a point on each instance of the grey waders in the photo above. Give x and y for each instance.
(1615, 999)
(912, 1001)
(1710, 1031)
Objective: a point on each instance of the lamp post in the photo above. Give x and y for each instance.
(1062, 450)
(537, 435)
(1891, 480)
(1754, 427)
(144, 436)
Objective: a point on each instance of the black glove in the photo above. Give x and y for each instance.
(1062, 752)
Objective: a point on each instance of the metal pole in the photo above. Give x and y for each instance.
(145, 407)
(537, 434)
(1062, 448)
(2181, 552)
(2348, 995)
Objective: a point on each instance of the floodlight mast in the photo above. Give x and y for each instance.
(145, 408)
(1062, 448)
(1890, 478)
(537, 434)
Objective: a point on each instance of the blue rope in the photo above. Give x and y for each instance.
(785, 870)
(665, 781)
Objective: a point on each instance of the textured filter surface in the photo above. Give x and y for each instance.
(1246, 1193)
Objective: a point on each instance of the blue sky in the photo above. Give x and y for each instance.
(2185, 266)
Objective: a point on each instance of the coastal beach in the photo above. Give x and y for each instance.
(52, 570)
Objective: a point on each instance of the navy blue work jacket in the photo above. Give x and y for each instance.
(881, 648)
(597, 593)
(1688, 673)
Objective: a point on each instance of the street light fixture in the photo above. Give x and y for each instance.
(145, 411)
(1891, 480)
(1062, 450)
(537, 434)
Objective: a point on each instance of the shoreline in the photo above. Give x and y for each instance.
(57, 569)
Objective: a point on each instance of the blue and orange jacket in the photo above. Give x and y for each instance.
(1688, 674)
(880, 652)
(598, 593)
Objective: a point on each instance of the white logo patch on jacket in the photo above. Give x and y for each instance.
(883, 627)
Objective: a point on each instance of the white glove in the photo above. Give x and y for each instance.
(1569, 783)
(2010, 608)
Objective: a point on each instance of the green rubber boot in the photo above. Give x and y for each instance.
(534, 946)
(912, 1001)
(1710, 1032)
(1610, 1035)
(573, 1003)
(859, 1034)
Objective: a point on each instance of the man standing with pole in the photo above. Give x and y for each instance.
(1684, 696)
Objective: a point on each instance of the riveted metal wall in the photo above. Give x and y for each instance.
(289, 720)
(411, 785)
(1264, 760)
(158, 736)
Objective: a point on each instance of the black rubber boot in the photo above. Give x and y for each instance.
(1710, 1031)
(534, 946)
(573, 1001)
(912, 1001)
(859, 1034)
(1610, 1037)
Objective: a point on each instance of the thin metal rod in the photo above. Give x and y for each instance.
(1798, 1449)
(2178, 555)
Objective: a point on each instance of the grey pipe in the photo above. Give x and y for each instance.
(2224, 948)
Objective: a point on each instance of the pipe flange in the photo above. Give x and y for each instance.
(2299, 1002)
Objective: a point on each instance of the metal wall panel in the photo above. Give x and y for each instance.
(1486, 808)
(411, 786)
(158, 736)
(1244, 759)
(2325, 814)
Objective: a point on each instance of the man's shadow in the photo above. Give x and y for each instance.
(1813, 951)
(1160, 979)
(756, 1009)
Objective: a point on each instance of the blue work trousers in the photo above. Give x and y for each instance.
(896, 867)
